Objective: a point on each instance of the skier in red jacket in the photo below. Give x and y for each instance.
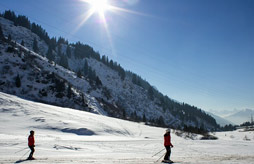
(168, 145)
(31, 145)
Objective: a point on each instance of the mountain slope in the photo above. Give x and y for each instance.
(88, 81)
(40, 80)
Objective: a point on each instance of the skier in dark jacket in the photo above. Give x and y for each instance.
(31, 145)
(168, 145)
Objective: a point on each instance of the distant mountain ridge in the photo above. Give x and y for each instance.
(221, 121)
(74, 75)
(241, 116)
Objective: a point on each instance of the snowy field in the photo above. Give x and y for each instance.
(64, 135)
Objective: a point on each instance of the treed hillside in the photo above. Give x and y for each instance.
(52, 70)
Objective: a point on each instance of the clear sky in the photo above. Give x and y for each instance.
(199, 52)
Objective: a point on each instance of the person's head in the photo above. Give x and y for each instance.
(168, 130)
(31, 132)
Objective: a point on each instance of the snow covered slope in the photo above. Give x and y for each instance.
(64, 135)
(41, 81)
(20, 34)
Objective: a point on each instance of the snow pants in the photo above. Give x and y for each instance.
(32, 151)
(167, 155)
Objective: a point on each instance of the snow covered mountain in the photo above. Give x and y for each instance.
(30, 68)
(241, 116)
(221, 121)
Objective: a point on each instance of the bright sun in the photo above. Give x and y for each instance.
(99, 6)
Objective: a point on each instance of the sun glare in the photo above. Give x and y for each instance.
(99, 6)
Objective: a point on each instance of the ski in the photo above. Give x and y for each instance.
(24, 160)
(169, 162)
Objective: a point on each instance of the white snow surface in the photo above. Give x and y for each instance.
(64, 135)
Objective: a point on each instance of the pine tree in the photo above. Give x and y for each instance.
(107, 61)
(144, 118)
(50, 55)
(124, 114)
(83, 99)
(59, 50)
(23, 21)
(134, 79)
(22, 43)
(64, 61)
(134, 116)
(53, 43)
(35, 46)
(61, 41)
(86, 67)
(10, 15)
(150, 93)
(79, 74)
(69, 91)
(103, 59)
(68, 51)
(111, 64)
(139, 82)
(98, 81)
(1, 33)
(60, 85)
(251, 119)
(90, 73)
(18, 81)
(160, 121)
(9, 38)
(121, 72)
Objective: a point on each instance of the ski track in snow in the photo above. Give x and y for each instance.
(64, 135)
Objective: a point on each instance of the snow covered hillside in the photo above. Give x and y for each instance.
(64, 135)
(29, 75)
(20, 34)
(85, 81)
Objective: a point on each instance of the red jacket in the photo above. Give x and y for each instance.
(167, 140)
(31, 140)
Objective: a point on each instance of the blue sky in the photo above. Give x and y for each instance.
(199, 52)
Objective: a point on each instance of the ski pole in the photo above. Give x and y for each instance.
(21, 150)
(160, 157)
(158, 152)
(24, 154)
